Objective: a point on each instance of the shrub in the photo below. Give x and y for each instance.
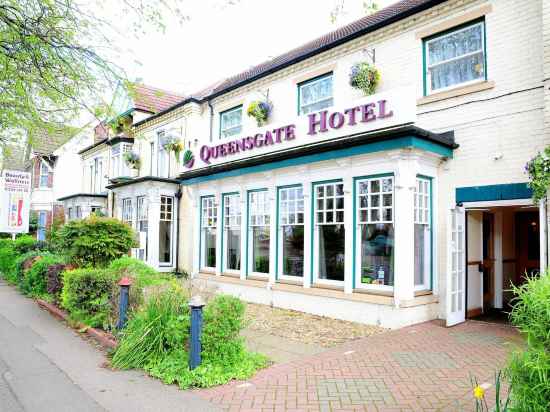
(86, 295)
(26, 243)
(96, 241)
(529, 371)
(34, 281)
(23, 263)
(54, 280)
(144, 274)
(7, 259)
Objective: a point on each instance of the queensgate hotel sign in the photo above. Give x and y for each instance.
(373, 112)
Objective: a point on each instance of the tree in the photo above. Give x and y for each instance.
(369, 7)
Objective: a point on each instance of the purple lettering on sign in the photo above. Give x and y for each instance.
(290, 132)
(382, 110)
(336, 120)
(268, 138)
(239, 145)
(258, 140)
(351, 115)
(205, 154)
(313, 122)
(367, 112)
(249, 144)
(278, 134)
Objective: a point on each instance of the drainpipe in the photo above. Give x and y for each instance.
(112, 203)
(178, 197)
(211, 118)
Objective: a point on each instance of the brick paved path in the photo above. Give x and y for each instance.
(426, 367)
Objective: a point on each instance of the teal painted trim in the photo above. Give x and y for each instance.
(200, 230)
(509, 191)
(226, 111)
(277, 226)
(305, 82)
(322, 182)
(248, 193)
(354, 243)
(485, 47)
(430, 179)
(222, 226)
(399, 143)
(424, 69)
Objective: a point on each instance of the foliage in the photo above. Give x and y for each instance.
(481, 401)
(364, 77)
(7, 258)
(132, 160)
(138, 270)
(26, 243)
(369, 7)
(529, 371)
(260, 111)
(34, 281)
(174, 145)
(538, 169)
(86, 295)
(96, 241)
(188, 159)
(52, 235)
(23, 263)
(54, 280)
(156, 339)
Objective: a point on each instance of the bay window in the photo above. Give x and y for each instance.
(454, 58)
(142, 227)
(375, 232)
(231, 122)
(165, 230)
(119, 167)
(422, 233)
(315, 94)
(232, 231)
(291, 230)
(259, 219)
(329, 237)
(209, 219)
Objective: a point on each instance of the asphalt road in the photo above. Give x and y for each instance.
(45, 366)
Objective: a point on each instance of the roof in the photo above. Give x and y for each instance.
(95, 144)
(45, 142)
(13, 157)
(358, 28)
(136, 180)
(151, 99)
(75, 195)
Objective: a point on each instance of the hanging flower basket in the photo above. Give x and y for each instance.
(188, 159)
(132, 160)
(260, 111)
(365, 77)
(174, 146)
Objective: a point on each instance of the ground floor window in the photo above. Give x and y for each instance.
(259, 219)
(127, 211)
(142, 227)
(232, 231)
(291, 229)
(329, 237)
(165, 229)
(375, 232)
(209, 218)
(42, 221)
(422, 233)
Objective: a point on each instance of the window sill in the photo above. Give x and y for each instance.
(231, 275)
(459, 91)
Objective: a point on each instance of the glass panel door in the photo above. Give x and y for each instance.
(456, 297)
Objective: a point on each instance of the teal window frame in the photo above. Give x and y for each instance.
(355, 223)
(277, 224)
(430, 180)
(248, 261)
(201, 253)
(222, 227)
(426, 40)
(221, 121)
(309, 81)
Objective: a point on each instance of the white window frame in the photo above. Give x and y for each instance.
(167, 215)
(289, 218)
(233, 221)
(119, 168)
(46, 166)
(239, 126)
(427, 74)
(142, 216)
(359, 222)
(423, 216)
(259, 215)
(338, 218)
(69, 213)
(162, 156)
(127, 212)
(209, 220)
(312, 82)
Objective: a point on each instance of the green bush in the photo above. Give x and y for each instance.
(86, 295)
(157, 339)
(34, 281)
(96, 241)
(26, 243)
(23, 263)
(144, 274)
(7, 259)
(529, 370)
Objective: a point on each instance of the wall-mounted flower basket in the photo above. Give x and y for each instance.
(174, 146)
(188, 159)
(260, 111)
(132, 160)
(365, 77)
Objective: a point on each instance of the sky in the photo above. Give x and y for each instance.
(223, 37)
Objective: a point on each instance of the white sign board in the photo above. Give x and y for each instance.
(15, 201)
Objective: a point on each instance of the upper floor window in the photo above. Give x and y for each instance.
(118, 165)
(163, 155)
(315, 94)
(231, 122)
(456, 57)
(44, 174)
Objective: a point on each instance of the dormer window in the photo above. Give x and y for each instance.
(44, 174)
(315, 94)
(231, 122)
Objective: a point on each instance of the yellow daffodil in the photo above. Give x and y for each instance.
(479, 392)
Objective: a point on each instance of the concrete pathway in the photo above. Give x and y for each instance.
(45, 366)
(426, 367)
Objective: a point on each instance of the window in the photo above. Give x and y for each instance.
(291, 229)
(209, 220)
(96, 210)
(422, 233)
(44, 174)
(163, 156)
(42, 221)
(329, 231)
(70, 213)
(118, 165)
(259, 218)
(375, 232)
(315, 95)
(151, 157)
(455, 58)
(127, 211)
(78, 212)
(232, 231)
(142, 226)
(165, 229)
(231, 122)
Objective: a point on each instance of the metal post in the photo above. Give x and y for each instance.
(196, 304)
(124, 284)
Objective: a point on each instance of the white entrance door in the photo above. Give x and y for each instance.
(456, 273)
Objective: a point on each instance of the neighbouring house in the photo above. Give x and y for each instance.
(392, 208)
